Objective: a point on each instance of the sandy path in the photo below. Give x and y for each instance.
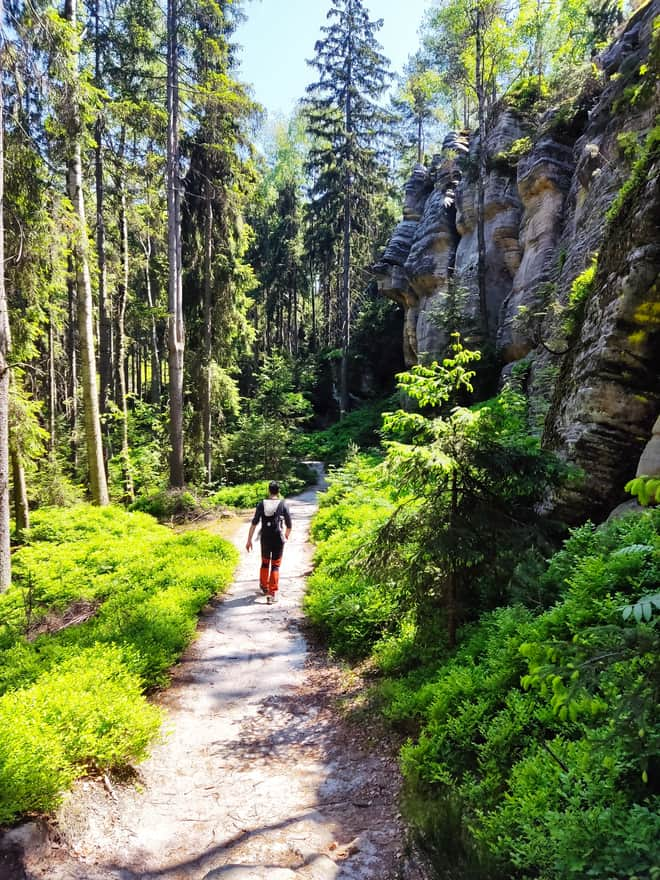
(256, 778)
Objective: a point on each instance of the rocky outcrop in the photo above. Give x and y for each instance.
(418, 262)
(607, 396)
(592, 380)
(502, 214)
(649, 463)
(544, 179)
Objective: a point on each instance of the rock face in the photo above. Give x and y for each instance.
(502, 213)
(419, 260)
(593, 381)
(649, 463)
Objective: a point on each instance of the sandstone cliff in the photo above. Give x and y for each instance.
(578, 187)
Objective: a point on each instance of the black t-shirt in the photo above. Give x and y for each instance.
(265, 514)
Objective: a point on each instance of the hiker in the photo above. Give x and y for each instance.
(275, 519)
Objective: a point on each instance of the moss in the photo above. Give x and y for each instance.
(528, 94)
(640, 93)
(638, 176)
(515, 153)
(648, 313)
(580, 290)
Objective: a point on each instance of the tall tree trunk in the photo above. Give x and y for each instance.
(175, 336)
(72, 362)
(208, 331)
(155, 388)
(5, 556)
(345, 304)
(420, 139)
(97, 480)
(482, 171)
(345, 307)
(121, 333)
(105, 333)
(313, 304)
(52, 384)
(21, 504)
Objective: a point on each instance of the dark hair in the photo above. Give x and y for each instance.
(274, 488)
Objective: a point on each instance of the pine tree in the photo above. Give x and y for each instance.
(218, 184)
(346, 121)
(5, 558)
(175, 330)
(81, 260)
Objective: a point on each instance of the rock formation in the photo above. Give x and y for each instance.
(592, 369)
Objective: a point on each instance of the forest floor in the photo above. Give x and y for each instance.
(260, 773)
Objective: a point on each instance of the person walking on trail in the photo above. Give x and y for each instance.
(275, 519)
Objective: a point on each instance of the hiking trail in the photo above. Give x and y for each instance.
(258, 775)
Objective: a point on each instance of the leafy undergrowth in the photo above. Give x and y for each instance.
(72, 701)
(360, 428)
(533, 749)
(248, 495)
(180, 506)
(349, 606)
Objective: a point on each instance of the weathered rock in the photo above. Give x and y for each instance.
(608, 396)
(417, 191)
(544, 178)
(415, 266)
(594, 396)
(649, 463)
(502, 213)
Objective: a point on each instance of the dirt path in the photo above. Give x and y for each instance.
(257, 777)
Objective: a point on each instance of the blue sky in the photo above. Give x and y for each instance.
(280, 34)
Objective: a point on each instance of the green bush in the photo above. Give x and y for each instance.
(349, 606)
(539, 738)
(248, 495)
(581, 290)
(78, 690)
(167, 504)
(359, 428)
(89, 714)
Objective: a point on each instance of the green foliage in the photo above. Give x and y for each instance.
(352, 608)
(515, 153)
(645, 489)
(169, 504)
(262, 447)
(248, 495)
(637, 178)
(85, 715)
(360, 427)
(581, 289)
(73, 684)
(467, 485)
(147, 440)
(539, 737)
(434, 385)
(527, 94)
(628, 145)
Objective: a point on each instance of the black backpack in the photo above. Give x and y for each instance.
(274, 524)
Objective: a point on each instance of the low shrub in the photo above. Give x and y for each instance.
(540, 735)
(168, 504)
(248, 495)
(360, 428)
(352, 609)
(86, 715)
(78, 687)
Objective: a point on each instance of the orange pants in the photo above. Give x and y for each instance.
(269, 576)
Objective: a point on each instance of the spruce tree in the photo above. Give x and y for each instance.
(5, 558)
(346, 121)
